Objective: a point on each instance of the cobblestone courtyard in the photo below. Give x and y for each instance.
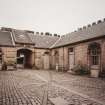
(39, 87)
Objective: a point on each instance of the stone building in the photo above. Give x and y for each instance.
(34, 50)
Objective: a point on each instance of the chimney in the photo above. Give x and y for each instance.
(55, 34)
(37, 33)
(58, 35)
(42, 33)
(99, 21)
(47, 33)
(50, 34)
(94, 23)
(84, 27)
(79, 28)
(89, 25)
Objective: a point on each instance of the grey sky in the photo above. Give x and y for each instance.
(55, 16)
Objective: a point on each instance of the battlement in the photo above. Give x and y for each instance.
(91, 25)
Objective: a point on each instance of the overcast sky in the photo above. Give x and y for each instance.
(55, 16)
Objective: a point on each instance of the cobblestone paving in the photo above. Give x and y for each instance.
(93, 88)
(18, 88)
(27, 87)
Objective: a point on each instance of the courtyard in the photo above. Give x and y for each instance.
(47, 87)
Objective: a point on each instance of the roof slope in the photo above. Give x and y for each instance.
(81, 35)
(5, 39)
(21, 36)
(43, 41)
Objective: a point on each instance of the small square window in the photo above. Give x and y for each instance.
(71, 49)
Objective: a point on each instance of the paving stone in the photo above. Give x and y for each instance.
(24, 87)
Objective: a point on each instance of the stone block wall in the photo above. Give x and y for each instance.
(9, 54)
(80, 53)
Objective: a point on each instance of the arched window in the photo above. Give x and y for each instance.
(94, 53)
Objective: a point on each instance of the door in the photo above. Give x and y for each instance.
(46, 62)
(71, 59)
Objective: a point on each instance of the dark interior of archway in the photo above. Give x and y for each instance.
(26, 60)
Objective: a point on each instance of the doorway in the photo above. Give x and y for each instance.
(71, 59)
(24, 58)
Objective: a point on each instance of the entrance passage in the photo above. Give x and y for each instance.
(24, 58)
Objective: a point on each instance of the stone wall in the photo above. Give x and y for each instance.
(37, 57)
(80, 54)
(9, 54)
(62, 57)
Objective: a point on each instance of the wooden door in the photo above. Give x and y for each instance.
(46, 61)
(71, 61)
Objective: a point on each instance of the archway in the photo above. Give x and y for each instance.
(24, 58)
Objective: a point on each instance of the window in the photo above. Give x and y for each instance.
(94, 57)
(94, 52)
(71, 49)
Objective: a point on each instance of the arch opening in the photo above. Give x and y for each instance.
(24, 58)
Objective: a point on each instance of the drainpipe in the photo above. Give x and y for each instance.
(63, 59)
(34, 57)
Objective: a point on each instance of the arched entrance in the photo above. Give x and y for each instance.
(24, 58)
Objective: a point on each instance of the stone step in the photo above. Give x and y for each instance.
(58, 101)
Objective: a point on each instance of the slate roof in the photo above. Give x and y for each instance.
(43, 41)
(5, 39)
(21, 36)
(47, 41)
(81, 35)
